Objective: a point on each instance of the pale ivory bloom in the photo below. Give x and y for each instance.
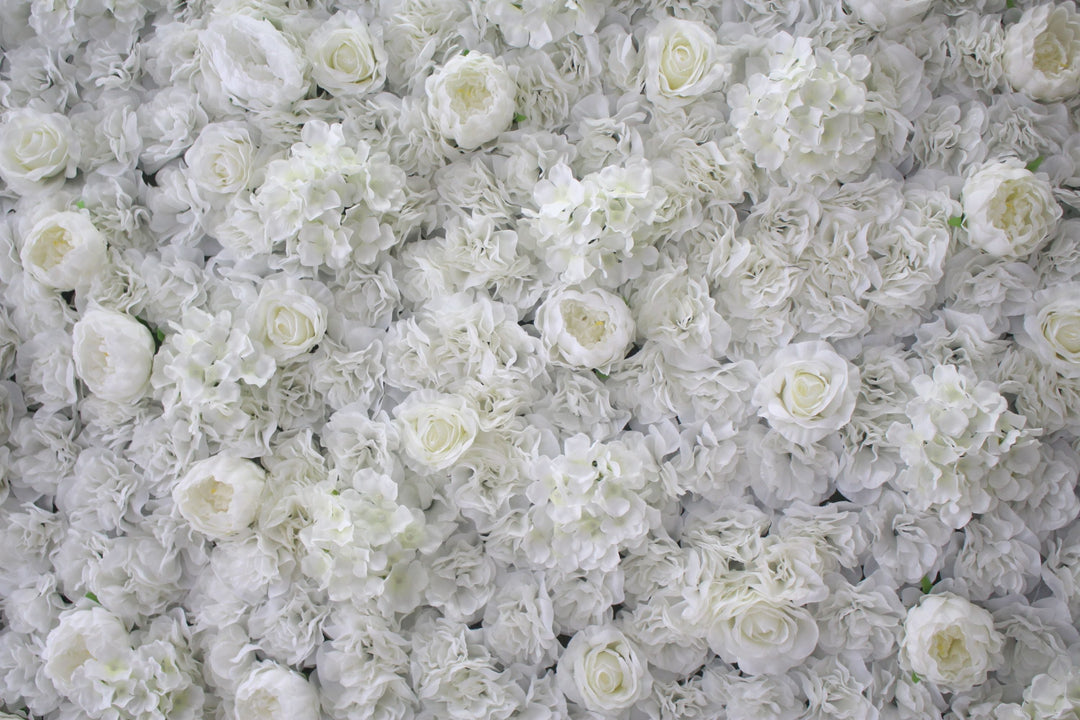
(591, 329)
(221, 159)
(807, 391)
(1009, 211)
(63, 250)
(88, 658)
(114, 354)
(602, 670)
(1052, 328)
(272, 692)
(287, 321)
(1042, 52)
(220, 496)
(950, 642)
(346, 58)
(681, 61)
(250, 63)
(35, 148)
(436, 429)
(471, 99)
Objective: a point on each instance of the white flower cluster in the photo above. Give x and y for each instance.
(522, 359)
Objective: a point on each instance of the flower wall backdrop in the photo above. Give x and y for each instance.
(490, 359)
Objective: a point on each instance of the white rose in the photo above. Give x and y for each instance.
(436, 429)
(471, 99)
(950, 642)
(1042, 52)
(221, 159)
(681, 61)
(807, 391)
(114, 355)
(252, 63)
(743, 625)
(601, 670)
(1009, 211)
(35, 147)
(272, 692)
(288, 322)
(346, 58)
(63, 250)
(220, 496)
(1052, 328)
(591, 329)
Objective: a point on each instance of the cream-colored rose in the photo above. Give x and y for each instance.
(602, 671)
(471, 99)
(221, 159)
(807, 391)
(1042, 52)
(35, 148)
(272, 692)
(950, 642)
(591, 329)
(436, 429)
(220, 496)
(114, 355)
(1009, 211)
(346, 58)
(681, 61)
(63, 250)
(1052, 328)
(287, 321)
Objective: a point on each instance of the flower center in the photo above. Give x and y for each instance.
(586, 325)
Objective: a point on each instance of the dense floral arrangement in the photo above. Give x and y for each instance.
(488, 359)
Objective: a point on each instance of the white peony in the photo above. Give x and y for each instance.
(220, 496)
(88, 658)
(346, 57)
(114, 354)
(221, 160)
(1009, 211)
(63, 250)
(35, 148)
(591, 329)
(471, 99)
(950, 642)
(1042, 52)
(250, 63)
(602, 671)
(681, 61)
(273, 692)
(807, 391)
(436, 429)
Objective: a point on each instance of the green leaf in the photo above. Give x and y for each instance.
(601, 375)
(1033, 166)
(925, 584)
(159, 337)
(93, 597)
(518, 117)
(80, 204)
(465, 51)
(1010, 4)
(335, 492)
(915, 677)
(957, 221)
